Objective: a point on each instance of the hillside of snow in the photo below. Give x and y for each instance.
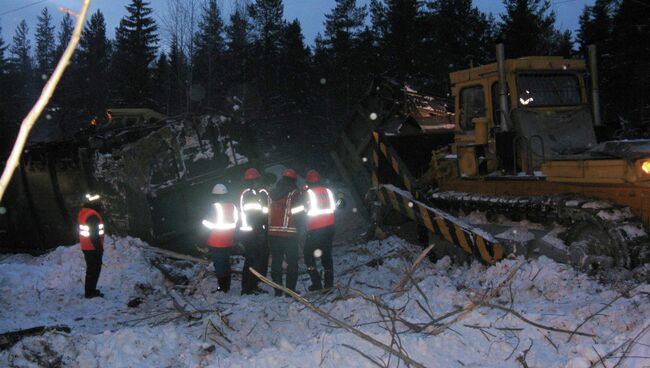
(516, 313)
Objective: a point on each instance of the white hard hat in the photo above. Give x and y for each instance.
(219, 189)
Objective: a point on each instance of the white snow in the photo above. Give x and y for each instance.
(263, 331)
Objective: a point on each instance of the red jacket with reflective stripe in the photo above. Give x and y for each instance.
(320, 208)
(281, 221)
(222, 224)
(84, 229)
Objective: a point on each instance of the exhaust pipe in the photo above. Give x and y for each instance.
(503, 89)
(595, 93)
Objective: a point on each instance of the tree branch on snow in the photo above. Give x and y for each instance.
(521, 317)
(522, 358)
(399, 289)
(9, 339)
(619, 296)
(338, 322)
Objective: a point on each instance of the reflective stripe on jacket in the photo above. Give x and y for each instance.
(85, 230)
(223, 226)
(254, 207)
(320, 208)
(282, 215)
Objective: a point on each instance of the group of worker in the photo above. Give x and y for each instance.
(262, 221)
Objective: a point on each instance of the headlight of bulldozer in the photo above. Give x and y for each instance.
(645, 166)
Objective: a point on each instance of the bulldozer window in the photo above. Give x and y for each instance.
(545, 89)
(472, 105)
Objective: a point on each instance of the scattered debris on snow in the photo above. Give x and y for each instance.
(503, 314)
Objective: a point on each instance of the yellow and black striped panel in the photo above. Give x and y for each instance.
(468, 238)
(395, 162)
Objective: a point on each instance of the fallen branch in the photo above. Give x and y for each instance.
(595, 314)
(43, 100)
(363, 355)
(9, 339)
(344, 325)
(400, 287)
(521, 317)
(522, 358)
(631, 345)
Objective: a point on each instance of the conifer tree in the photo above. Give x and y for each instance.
(209, 52)
(402, 39)
(528, 28)
(65, 32)
(238, 52)
(295, 65)
(268, 26)
(161, 82)
(136, 42)
(45, 47)
(3, 61)
(342, 27)
(21, 60)
(449, 49)
(94, 50)
(178, 71)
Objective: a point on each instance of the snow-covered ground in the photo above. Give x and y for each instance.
(263, 331)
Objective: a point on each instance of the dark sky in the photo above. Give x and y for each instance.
(309, 12)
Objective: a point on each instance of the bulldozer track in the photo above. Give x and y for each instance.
(628, 244)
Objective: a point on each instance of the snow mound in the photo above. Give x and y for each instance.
(42, 290)
(229, 330)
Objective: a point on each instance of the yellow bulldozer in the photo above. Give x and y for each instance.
(522, 170)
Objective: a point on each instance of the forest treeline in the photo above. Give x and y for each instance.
(256, 59)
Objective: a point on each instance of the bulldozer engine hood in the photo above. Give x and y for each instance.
(625, 149)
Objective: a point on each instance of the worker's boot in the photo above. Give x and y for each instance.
(315, 279)
(224, 283)
(329, 279)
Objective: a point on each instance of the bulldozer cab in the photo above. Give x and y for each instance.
(547, 114)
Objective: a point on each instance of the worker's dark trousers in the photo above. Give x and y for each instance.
(281, 247)
(320, 239)
(256, 254)
(221, 261)
(93, 268)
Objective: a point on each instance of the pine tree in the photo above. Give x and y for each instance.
(161, 82)
(342, 27)
(402, 40)
(178, 73)
(295, 64)
(238, 52)
(136, 42)
(528, 28)
(93, 58)
(208, 53)
(450, 49)
(21, 60)
(45, 51)
(268, 26)
(343, 24)
(3, 62)
(65, 33)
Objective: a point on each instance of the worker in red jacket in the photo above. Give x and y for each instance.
(254, 208)
(91, 239)
(286, 207)
(222, 222)
(319, 206)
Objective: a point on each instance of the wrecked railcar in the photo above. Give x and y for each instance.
(154, 174)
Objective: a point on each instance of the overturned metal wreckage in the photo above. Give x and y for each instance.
(154, 174)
